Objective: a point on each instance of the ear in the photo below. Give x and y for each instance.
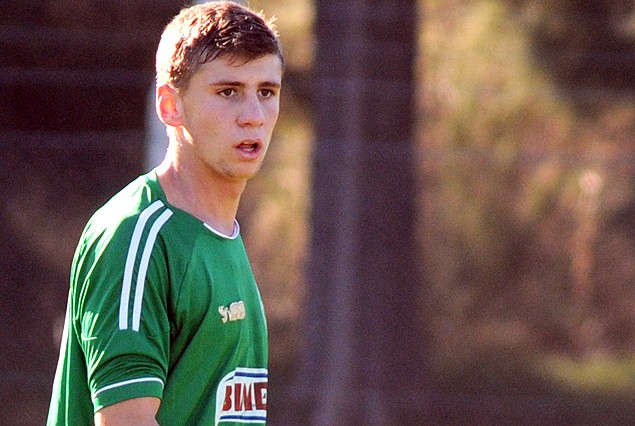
(169, 107)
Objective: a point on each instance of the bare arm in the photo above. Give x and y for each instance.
(137, 412)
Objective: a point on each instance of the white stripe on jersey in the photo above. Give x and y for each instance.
(143, 267)
(130, 261)
(127, 382)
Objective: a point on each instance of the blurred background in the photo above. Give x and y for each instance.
(443, 232)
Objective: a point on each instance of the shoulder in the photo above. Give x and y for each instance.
(132, 210)
(129, 202)
(138, 198)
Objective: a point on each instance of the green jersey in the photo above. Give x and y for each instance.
(161, 305)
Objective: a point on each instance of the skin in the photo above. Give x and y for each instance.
(137, 411)
(221, 129)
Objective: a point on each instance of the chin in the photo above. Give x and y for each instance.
(244, 175)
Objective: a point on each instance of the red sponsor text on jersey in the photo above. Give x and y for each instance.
(245, 397)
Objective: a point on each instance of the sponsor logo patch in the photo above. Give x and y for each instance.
(242, 397)
(233, 312)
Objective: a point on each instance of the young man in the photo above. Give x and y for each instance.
(165, 324)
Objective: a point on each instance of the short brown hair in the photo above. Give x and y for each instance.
(204, 32)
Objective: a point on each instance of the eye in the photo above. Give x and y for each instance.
(226, 93)
(267, 93)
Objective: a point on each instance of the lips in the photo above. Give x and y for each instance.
(250, 146)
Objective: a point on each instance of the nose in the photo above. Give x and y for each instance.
(252, 112)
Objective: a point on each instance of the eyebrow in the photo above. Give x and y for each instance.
(241, 84)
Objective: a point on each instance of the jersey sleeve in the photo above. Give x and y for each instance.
(120, 309)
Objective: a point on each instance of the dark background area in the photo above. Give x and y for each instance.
(74, 78)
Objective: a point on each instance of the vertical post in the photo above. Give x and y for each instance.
(363, 361)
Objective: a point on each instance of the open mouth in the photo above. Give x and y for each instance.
(249, 147)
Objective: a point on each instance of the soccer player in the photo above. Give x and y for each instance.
(165, 324)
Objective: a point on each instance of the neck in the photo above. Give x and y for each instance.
(201, 194)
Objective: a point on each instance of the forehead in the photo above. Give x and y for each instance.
(266, 69)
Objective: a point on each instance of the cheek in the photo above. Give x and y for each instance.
(208, 121)
(273, 114)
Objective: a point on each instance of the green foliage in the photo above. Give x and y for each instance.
(522, 188)
(604, 375)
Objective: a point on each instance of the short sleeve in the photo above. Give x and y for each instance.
(120, 313)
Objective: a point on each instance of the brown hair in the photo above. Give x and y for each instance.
(207, 31)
